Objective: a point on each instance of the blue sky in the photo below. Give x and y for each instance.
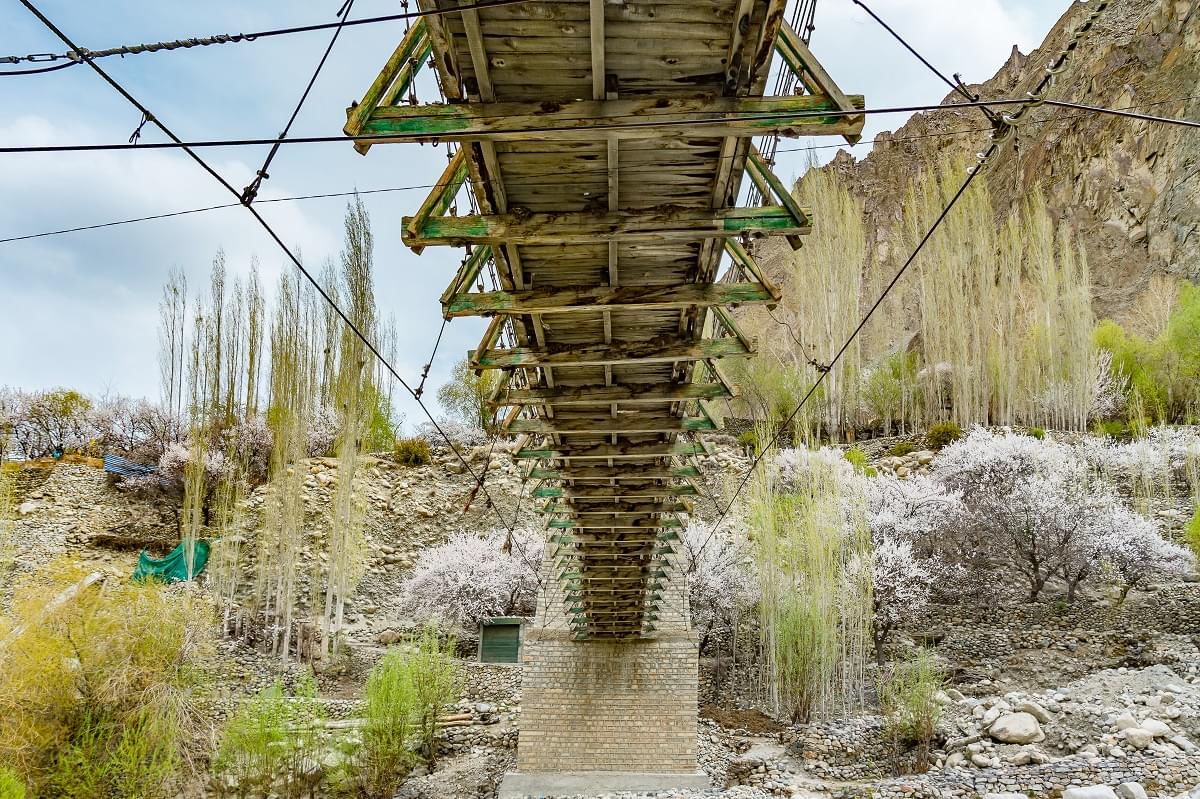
(81, 309)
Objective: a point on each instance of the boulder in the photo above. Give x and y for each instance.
(1037, 711)
(1158, 729)
(1131, 790)
(1124, 721)
(1090, 792)
(1016, 728)
(1138, 738)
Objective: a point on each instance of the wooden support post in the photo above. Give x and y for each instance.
(442, 196)
(808, 69)
(393, 80)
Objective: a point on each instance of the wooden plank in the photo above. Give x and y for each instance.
(414, 43)
(617, 509)
(467, 273)
(666, 349)
(589, 299)
(442, 196)
(615, 451)
(780, 191)
(659, 224)
(739, 254)
(633, 118)
(624, 393)
(612, 473)
(612, 425)
(806, 66)
(588, 493)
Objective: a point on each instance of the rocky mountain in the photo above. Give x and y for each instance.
(1128, 190)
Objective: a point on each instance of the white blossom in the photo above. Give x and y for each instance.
(1134, 548)
(470, 578)
(721, 582)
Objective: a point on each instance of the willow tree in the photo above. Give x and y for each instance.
(282, 536)
(809, 531)
(823, 295)
(8, 507)
(356, 401)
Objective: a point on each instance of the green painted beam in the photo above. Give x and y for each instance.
(591, 120)
(661, 224)
(623, 298)
(617, 451)
(662, 350)
(619, 425)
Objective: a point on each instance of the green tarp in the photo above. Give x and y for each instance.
(172, 568)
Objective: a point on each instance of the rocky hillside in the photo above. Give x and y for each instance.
(1129, 190)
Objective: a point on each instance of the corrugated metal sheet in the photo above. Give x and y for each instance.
(127, 468)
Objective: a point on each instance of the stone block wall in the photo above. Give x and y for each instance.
(608, 706)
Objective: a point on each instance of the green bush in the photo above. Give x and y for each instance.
(943, 434)
(858, 459)
(1114, 429)
(906, 699)
(406, 692)
(113, 757)
(902, 448)
(1192, 533)
(1038, 433)
(748, 439)
(413, 452)
(11, 786)
(272, 742)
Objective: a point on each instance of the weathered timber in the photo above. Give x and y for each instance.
(622, 509)
(610, 424)
(634, 118)
(624, 298)
(661, 350)
(806, 66)
(739, 254)
(660, 224)
(442, 196)
(611, 473)
(467, 273)
(614, 492)
(627, 393)
(393, 81)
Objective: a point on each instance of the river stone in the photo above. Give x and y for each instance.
(1090, 792)
(1037, 711)
(1016, 728)
(1131, 790)
(1158, 729)
(1138, 737)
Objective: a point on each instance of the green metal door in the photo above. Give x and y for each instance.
(500, 642)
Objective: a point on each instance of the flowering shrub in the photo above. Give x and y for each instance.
(1134, 549)
(471, 577)
(459, 433)
(721, 582)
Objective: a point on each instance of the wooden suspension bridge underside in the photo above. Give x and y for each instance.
(605, 143)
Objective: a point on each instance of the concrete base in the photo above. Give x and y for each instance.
(570, 783)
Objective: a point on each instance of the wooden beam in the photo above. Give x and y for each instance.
(465, 277)
(611, 473)
(580, 493)
(739, 254)
(806, 66)
(802, 216)
(589, 299)
(615, 451)
(633, 118)
(661, 350)
(393, 80)
(618, 509)
(620, 425)
(661, 224)
(442, 196)
(625, 393)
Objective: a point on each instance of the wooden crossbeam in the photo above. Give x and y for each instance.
(627, 424)
(591, 120)
(614, 451)
(774, 186)
(808, 69)
(743, 258)
(623, 509)
(442, 196)
(586, 493)
(611, 473)
(666, 349)
(623, 298)
(465, 277)
(393, 80)
(624, 393)
(600, 524)
(661, 224)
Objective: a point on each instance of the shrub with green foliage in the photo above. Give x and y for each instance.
(413, 452)
(11, 786)
(272, 743)
(1163, 373)
(906, 694)
(902, 448)
(95, 692)
(943, 434)
(1038, 433)
(406, 692)
(748, 439)
(858, 459)
(1192, 533)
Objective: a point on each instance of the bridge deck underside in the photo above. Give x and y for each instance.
(544, 52)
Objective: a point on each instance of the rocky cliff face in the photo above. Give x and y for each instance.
(1128, 190)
